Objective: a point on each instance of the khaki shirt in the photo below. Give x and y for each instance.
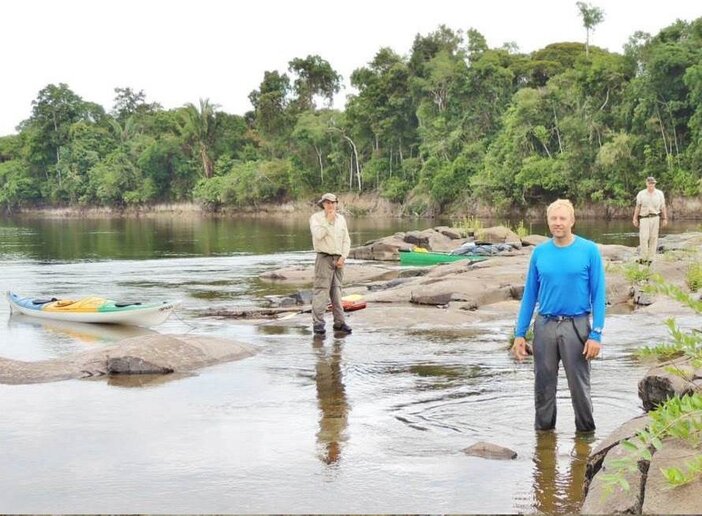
(650, 203)
(330, 238)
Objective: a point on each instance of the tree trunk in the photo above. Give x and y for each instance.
(321, 165)
(675, 133)
(558, 133)
(206, 162)
(587, 42)
(665, 140)
(358, 168)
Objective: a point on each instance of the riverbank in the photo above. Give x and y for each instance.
(355, 205)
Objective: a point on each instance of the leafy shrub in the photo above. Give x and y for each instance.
(394, 189)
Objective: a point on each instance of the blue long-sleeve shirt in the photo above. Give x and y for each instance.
(566, 281)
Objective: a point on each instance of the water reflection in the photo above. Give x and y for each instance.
(169, 236)
(130, 381)
(556, 491)
(83, 332)
(332, 401)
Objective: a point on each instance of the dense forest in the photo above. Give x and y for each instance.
(452, 124)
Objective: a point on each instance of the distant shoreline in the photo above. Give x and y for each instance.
(352, 205)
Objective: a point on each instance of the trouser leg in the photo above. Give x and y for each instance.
(577, 369)
(654, 223)
(335, 295)
(644, 236)
(545, 373)
(323, 274)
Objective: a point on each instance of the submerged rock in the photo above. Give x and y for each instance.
(490, 451)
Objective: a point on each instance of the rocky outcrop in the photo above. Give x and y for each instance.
(444, 239)
(601, 459)
(440, 238)
(149, 354)
(385, 249)
(467, 285)
(499, 235)
(659, 497)
(649, 491)
(674, 378)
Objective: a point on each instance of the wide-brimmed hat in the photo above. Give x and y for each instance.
(327, 197)
(651, 179)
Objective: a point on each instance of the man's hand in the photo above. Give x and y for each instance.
(636, 222)
(591, 349)
(664, 222)
(340, 262)
(519, 348)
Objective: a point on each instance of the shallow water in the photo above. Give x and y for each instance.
(374, 422)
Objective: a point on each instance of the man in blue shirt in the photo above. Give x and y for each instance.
(566, 279)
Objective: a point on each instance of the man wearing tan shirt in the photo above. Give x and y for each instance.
(330, 239)
(649, 216)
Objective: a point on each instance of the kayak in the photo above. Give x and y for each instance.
(92, 309)
(432, 258)
(353, 302)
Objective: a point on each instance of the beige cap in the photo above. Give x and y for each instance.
(327, 197)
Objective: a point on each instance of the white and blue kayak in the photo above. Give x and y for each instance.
(93, 309)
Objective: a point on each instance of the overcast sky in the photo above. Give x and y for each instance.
(179, 51)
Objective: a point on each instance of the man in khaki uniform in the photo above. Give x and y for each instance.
(330, 239)
(649, 215)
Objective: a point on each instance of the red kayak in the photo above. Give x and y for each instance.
(352, 302)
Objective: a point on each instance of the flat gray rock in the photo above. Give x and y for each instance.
(145, 354)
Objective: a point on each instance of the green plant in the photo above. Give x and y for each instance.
(679, 417)
(636, 274)
(683, 344)
(521, 230)
(693, 278)
(468, 224)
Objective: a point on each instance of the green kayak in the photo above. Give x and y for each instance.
(432, 258)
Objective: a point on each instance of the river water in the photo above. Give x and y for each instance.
(371, 423)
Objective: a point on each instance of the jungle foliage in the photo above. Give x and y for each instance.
(451, 124)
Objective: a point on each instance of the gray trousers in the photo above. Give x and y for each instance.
(558, 341)
(327, 287)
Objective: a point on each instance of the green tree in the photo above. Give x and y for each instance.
(200, 129)
(128, 103)
(53, 112)
(270, 104)
(313, 77)
(592, 16)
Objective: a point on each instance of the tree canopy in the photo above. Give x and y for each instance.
(451, 125)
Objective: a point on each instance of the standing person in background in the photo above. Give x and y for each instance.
(566, 278)
(330, 239)
(649, 216)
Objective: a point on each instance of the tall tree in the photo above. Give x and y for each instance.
(592, 16)
(200, 127)
(270, 104)
(127, 102)
(53, 112)
(314, 77)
